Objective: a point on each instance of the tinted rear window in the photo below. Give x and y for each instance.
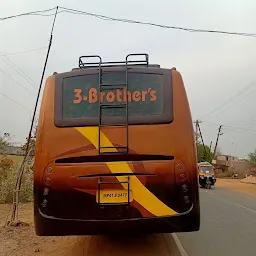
(81, 95)
(77, 97)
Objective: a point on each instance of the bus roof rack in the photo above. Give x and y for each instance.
(98, 63)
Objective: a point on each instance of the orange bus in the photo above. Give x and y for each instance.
(115, 151)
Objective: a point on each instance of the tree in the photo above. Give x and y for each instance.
(32, 144)
(4, 142)
(204, 154)
(252, 158)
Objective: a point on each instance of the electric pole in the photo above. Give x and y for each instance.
(202, 139)
(210, 146)
(215, 148)
(196, 122)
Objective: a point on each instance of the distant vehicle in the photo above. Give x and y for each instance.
(206, 175)
(115, 151)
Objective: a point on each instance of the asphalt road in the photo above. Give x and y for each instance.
(228, 228)
(228, 225)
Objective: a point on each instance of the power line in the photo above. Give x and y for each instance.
(244, 120)
(9, 98)
(27, 51)
(229, 100)
(109, 18)
(17, 82)
(18, 70)
(48, 15)
(104, 17)
(237, 129)
(27, 13)
(238, 101)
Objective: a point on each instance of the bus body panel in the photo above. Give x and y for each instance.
(165, 191)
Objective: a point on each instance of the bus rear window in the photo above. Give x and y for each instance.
(149, 94)
(81, 94)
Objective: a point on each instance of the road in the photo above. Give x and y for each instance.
(228, 225)
(228, 228)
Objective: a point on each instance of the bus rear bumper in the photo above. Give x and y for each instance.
(47, 226)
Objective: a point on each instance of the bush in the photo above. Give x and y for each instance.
(8, 176)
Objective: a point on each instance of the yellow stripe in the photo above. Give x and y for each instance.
(140, 193)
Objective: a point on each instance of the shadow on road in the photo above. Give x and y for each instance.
(140, 245)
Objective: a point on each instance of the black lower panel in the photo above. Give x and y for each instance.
(52, 227)
(74, 204)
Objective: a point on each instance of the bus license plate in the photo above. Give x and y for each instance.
(113, 196)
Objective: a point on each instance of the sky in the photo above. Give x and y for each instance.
(218, 70)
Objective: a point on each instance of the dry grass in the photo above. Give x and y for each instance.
(9, 167)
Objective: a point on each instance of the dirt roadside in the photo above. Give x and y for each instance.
(22, 241)
(237, 185)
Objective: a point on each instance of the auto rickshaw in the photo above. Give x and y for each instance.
(206, 175)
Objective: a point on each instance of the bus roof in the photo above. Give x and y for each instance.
(113, 64)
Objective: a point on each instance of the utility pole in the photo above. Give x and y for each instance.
(202, 140)
(215, 148)
(210, 146)
(197, 125)
(201, 136)
(196, 122)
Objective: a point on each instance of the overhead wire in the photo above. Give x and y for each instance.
(109, 18)
(17, 82)
(230, 132)
(210, 114)
(243, 120)
(230, 127)
(18, 70)
(238, 101)
(27, 14)
(14, 101)
(26, 51)
(100, 16)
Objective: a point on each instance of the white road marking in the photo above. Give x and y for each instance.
(247, 208)
(179, 245)
(209, 192)
(239, 205)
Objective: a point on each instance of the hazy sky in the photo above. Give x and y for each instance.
(214, 67)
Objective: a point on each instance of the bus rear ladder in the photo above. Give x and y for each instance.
(101, 106)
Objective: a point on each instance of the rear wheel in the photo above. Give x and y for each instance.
(203, 185)
(208, 186)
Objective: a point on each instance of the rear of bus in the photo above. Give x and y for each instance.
(115, 152)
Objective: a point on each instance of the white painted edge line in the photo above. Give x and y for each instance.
(247, 208)
(179, 245)
(231, 203)
(208, 192)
